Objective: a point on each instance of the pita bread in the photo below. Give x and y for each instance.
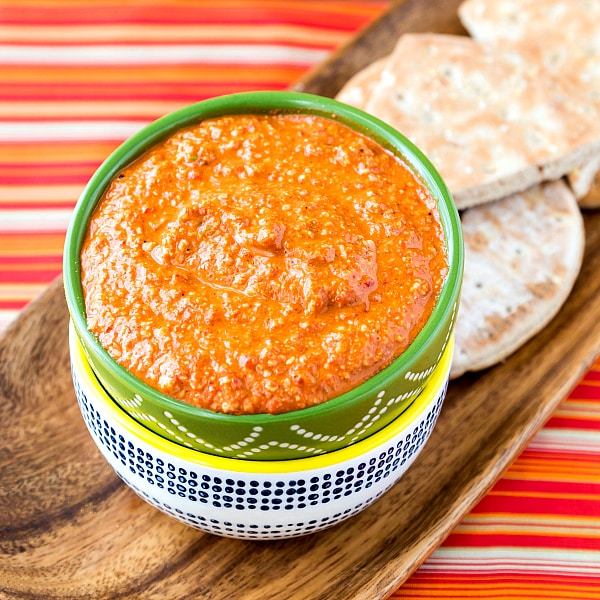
(592, 198)
(562, 35)
(491, 122)
(522, 256)
(582, 180)
(585, 183)
(358, 89)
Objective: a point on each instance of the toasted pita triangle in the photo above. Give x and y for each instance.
(562, 35)
(592, 198)
(492, 123)
(585, 183)
(358, 89)
(522, 256)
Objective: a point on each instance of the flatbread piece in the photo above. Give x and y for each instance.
(562, 35)
(358, 89)
(592, 198)
(522, 257)
(585, 183)
(491, 122)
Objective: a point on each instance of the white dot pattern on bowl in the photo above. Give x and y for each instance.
(255, 442)
(201, 496)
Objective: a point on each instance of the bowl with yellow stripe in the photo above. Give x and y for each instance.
(252, 499)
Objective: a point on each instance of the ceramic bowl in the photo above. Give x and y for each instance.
(332, 425)
(255, 499)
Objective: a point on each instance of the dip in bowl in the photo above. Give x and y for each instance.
(267, 275)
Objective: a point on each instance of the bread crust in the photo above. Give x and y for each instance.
(522, 257)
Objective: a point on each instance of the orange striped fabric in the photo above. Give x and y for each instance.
(78, 76)
(536, 534)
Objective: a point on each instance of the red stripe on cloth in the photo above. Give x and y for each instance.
(190, 93)
(589, 390)
(541, 486)
(575, 423)
(30, 275)
(14, 261)
(337, 15)
(46, 173)
(525, 539)
(12, 304)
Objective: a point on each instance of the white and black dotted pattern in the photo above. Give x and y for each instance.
(244, 530)
(263, 506)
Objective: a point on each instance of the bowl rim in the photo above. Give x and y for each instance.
(424, 401)
(265, 102)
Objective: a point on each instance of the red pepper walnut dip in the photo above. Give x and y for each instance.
(262, 263)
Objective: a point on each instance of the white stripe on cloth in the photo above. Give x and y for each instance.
(132, 55)
(514, 560)
(39, 220)
(32, 131)
(566, 440)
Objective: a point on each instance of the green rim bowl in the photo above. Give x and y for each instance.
(337, 423)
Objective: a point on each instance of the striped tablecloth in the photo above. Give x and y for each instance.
(78, 77)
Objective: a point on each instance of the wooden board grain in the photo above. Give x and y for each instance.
(70, 529)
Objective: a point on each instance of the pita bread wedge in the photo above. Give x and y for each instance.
(492, 122)
(522, 257)
(562, 35)
(585, 183)
(592, 198)
(582, 181)
(358, 89)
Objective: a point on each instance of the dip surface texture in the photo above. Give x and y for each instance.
(262, 263)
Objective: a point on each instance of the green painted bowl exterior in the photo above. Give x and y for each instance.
(337, 423)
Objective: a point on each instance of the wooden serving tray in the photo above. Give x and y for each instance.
(70, 529)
